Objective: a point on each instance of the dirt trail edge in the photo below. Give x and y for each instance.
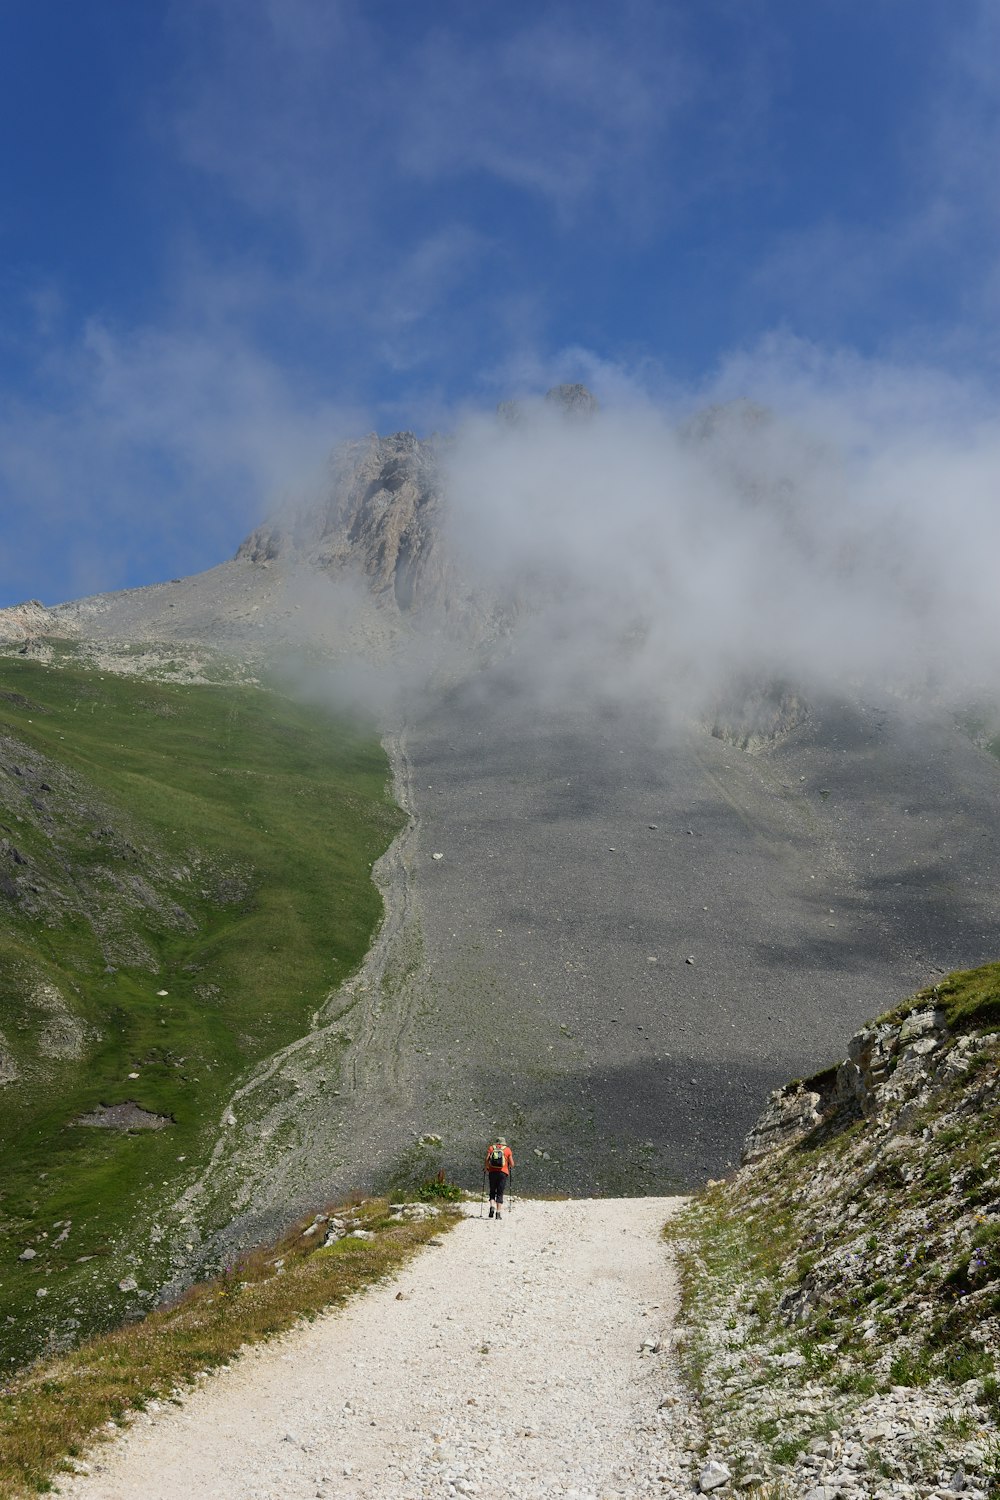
(525, 1359)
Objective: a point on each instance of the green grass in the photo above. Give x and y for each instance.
(214, 842)
(969, 998)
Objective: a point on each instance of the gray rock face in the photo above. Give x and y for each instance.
(572, 401)
(790, 1114)
(383, 523)
(381, 516)
(884, 1066)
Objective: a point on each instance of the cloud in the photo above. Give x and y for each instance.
(320, 110)
(150, 449)
(916, 272)
(841, 537)
(568, 110)
(428, 279)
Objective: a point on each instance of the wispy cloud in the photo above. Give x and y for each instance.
(921, 267)
(571, 111)
(320, 110)
(841, 536)
(152, 450)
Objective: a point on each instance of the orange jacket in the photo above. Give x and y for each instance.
(508, 1161)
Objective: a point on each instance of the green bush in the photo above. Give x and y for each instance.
(437, 1188)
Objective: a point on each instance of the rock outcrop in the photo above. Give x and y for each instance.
(573, 401)
(888, 1063)
(844, 1287)
(381, 518)
(25, 622)
(791, 1113)
(384, 521)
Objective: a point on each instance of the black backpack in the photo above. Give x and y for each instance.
(495, 1158)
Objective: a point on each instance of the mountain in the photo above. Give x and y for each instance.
(609, 930)
(353, 572)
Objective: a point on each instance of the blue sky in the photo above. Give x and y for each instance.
(233, 231)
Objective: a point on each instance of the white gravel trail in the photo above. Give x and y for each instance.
(510, 1366)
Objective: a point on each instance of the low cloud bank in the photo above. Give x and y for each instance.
(841, 532)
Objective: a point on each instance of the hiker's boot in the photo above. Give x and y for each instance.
(492, 1210)
(499, 1215)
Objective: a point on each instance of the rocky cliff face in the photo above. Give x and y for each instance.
(844, 1287)
(381, 518)
(384, 520)
(890, 1065)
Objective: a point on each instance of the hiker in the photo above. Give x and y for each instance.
(499, 1164)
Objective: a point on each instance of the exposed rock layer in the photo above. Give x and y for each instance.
(844, 1286)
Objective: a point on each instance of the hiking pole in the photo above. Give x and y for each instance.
(482, 1196)
(512, 1189)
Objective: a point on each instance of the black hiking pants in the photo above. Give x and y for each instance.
(498, 1182)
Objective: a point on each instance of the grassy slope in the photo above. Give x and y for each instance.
(212, 842)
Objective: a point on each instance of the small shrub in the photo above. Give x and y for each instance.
(989, 1395)
(963, 1362)
(910, 1369)
(788, 1450)
(858, 1381)
(437, 1188)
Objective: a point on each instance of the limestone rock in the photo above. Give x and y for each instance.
(713, 1476)
(21, 622)
(790, 1114)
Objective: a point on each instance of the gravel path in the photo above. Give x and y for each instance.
(506, 1361)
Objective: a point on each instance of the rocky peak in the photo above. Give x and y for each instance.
(738, 421)
(380, 517)
(574, 401)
